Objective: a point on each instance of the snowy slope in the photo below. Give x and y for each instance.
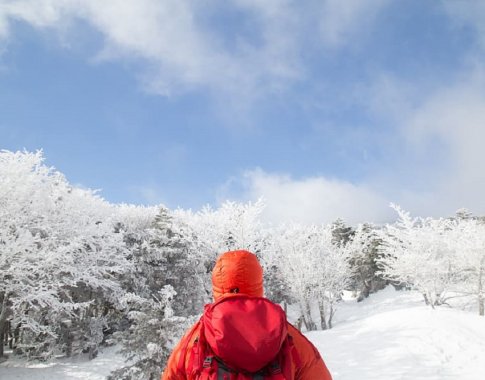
(390, 336)
(393, 335)
(64, 369)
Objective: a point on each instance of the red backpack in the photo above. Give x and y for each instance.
(241, 338)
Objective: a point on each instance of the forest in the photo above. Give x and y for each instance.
(78, 273)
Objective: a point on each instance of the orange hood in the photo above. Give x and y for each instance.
(237, 272)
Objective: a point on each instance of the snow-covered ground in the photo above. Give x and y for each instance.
(391, 335)
(64, 369)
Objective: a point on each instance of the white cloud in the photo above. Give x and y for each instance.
(434, 144)
(433, 160)
(454, 119)
(182, 49)
(437, 130)
(314, 199)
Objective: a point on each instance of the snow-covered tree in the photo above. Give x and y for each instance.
(341, 232)
(176, 256)
(317, 269)
(290, 249)
(232, 226)
(153, 331)
(56, 243)
(333, 274)
(417, 254)
(468, 242)
(171, 286)
(229, 227)
(365, 252)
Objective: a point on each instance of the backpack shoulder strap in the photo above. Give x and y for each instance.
(295, 357)
(201, 355)
(184, 346)
(288, 359)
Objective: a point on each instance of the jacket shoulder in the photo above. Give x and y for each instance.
(179, 358)
(311, 366)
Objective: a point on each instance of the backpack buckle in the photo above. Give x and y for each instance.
(274, 368)
(208, 361)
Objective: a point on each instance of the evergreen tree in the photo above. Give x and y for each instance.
(170, 285)
(366, 277)
(153, 331)
(341, 233)
(175, 258)
(276, 286)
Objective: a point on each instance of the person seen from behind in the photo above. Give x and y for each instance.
(243, 335)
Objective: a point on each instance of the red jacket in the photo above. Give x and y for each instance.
(239, 273)
(311, 365)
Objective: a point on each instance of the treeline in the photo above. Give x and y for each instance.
(77, 272)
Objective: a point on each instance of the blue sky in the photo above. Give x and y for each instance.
(324, 108)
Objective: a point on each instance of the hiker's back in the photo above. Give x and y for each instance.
(243, 335)
(242, 338)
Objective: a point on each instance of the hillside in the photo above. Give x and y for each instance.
(391, 335)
